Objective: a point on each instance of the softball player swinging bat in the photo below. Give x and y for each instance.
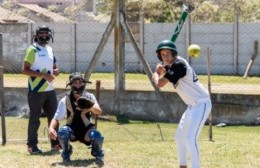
(184, 80)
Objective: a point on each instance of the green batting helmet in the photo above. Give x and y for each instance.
(166, 44)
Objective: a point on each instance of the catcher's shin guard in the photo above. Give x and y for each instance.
(97, 144)
(65, 134)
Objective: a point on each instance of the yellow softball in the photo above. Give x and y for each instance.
(194, 50)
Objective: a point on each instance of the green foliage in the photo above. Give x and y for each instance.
(133, 9)
(72, 11)
(106, 7)
(206, 10)
(53, 8)
(165, 11)
(159, 12)
(250, 11)
(23, 12)
(7, 4)
(154, 11)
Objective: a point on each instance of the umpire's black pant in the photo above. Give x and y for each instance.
(38, 101)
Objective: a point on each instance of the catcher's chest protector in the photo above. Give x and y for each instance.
(85, 120)
(69, 108)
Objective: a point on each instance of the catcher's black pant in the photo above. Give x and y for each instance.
(38, 101)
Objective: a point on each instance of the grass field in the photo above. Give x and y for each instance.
(138, 145)
(219, 84)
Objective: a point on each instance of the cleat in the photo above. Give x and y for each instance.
(100, 159)
(56, 148)
(34, 150)
(100, 156)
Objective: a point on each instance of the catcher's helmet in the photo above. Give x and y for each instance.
(43, 39)
(166, 44)
(74, 77)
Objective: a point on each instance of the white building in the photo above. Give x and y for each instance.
(61, 4)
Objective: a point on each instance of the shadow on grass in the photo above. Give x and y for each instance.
(49, 153)
(79, 163)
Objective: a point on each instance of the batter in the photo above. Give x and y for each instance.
(177, 71)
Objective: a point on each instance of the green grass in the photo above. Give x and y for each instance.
(232, 80)
(138, 145)
(219, 84)
(143, 77)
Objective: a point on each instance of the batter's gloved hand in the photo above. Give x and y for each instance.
(85, 102)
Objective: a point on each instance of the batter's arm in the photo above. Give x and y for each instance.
(159, 82)
(159, 71)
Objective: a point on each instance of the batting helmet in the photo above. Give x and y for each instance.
(43, 39)
(74, 77)
(166, 44)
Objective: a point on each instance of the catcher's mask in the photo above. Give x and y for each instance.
(43, 39)
(166, 44)
(77, 77)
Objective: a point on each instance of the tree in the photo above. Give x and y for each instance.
(166, 11)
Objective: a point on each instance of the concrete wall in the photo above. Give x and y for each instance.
(229, 109)
(75, 44)
(15, 41)
(218, 37)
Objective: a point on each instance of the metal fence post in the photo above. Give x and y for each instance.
(2, 92)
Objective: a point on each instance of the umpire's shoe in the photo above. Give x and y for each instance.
(34, 150)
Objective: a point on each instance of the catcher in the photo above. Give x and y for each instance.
(77, 108)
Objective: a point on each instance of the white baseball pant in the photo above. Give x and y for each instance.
(189, 128)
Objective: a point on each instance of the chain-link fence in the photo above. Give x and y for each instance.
(75, 43)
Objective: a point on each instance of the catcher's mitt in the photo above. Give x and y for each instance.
(84, 102)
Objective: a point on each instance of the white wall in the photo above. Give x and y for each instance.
(79, 42)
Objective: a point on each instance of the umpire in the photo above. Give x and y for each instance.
(77, 108)
(40, 66)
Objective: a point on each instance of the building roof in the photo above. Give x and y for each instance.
(7, 16)
(44, 12)
(45, 1)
